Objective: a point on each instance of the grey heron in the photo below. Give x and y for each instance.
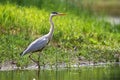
(40, 43)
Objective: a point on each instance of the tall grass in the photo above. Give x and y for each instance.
(74, 35)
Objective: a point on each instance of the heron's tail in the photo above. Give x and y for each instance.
(22, 54)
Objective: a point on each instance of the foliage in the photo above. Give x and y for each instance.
(75, 34)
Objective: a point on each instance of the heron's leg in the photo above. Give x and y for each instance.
(37, 62)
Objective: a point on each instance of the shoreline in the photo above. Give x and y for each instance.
(7, 66)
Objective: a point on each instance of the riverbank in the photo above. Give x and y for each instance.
(98, 72)
(8, 66)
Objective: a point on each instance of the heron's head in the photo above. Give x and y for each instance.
(56, 13)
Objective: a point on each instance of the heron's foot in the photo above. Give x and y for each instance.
(37, 62)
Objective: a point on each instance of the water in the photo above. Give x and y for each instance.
(108, 72)
(113, 20)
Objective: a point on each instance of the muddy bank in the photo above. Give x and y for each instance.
(8, 65)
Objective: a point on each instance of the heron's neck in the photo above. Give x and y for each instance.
(51, 28)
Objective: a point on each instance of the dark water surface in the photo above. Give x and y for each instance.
(106, 72)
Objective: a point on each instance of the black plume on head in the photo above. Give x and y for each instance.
(54, 12)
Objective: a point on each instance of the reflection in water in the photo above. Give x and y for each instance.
(82, 73)
(38, 74)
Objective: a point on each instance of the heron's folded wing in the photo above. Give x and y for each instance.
(36, 45)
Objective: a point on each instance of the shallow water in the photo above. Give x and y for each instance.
(106, 72)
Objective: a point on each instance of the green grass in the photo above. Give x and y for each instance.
(94, 39)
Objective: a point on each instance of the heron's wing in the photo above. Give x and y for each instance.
(36, 45)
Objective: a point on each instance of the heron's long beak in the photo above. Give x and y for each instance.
(61, 14)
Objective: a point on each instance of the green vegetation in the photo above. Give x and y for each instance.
(77, 34)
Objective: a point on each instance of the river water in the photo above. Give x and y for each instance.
(113, 20)
(102, 72)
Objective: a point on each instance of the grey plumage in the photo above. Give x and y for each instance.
(41, 42)
(36, 45)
